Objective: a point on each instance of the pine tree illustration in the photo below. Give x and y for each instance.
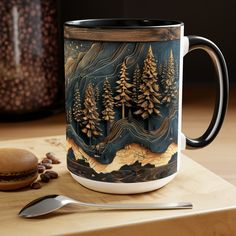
(176, 70)
(123, 89)
(69, 116)
(169, 83)
(136, 84)
(90, 115)
(160, 69)
(77, 108)
(163, 72)
(108, 113)
(149, 98)
(97, 94)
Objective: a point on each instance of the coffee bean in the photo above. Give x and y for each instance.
(45, 178)
(47, 165)
(52, 174)
(35, 185)
(46, 160)
(51, 156)
(41, 168)
(56, 161)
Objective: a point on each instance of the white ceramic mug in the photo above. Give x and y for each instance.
(124, 101)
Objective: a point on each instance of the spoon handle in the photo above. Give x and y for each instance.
(51, 203)
(141, 206)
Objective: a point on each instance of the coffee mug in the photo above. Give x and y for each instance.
(124, 101)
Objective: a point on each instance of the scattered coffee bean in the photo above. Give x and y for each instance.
(41, 168)
(56, 161)
(51, 156)
(52, 174)
(45, 178)
(35, 185)
(46, 160)
(47, 165)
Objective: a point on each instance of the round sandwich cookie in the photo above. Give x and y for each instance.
(18, 168)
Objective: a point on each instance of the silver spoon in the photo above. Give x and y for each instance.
(49, 203)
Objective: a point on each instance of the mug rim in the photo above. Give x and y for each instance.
(123, 23)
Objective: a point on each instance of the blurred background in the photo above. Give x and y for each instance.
(212, 19)
(31, 47)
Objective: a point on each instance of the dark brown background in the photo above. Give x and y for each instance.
(213, 19)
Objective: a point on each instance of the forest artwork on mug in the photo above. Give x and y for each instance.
(122, 109)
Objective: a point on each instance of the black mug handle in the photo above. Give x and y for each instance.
(196, 42)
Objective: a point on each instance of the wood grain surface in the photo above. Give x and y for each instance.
(123, 35)
(213, 198)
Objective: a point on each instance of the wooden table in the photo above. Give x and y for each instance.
(213, 198)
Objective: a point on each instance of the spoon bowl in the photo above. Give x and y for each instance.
(50, 203)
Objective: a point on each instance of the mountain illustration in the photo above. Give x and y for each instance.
(133, 171)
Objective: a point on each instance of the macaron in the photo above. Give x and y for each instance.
(18, 168)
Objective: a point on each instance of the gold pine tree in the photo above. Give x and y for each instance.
(169, 83)
(163, 71)
(149, 97)
(69, 116)
(90, 115)
(77, 108)
(136, 83)
(123, 90)
(97, 94)
(108, 113)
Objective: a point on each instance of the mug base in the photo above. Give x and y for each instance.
(123, 188)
